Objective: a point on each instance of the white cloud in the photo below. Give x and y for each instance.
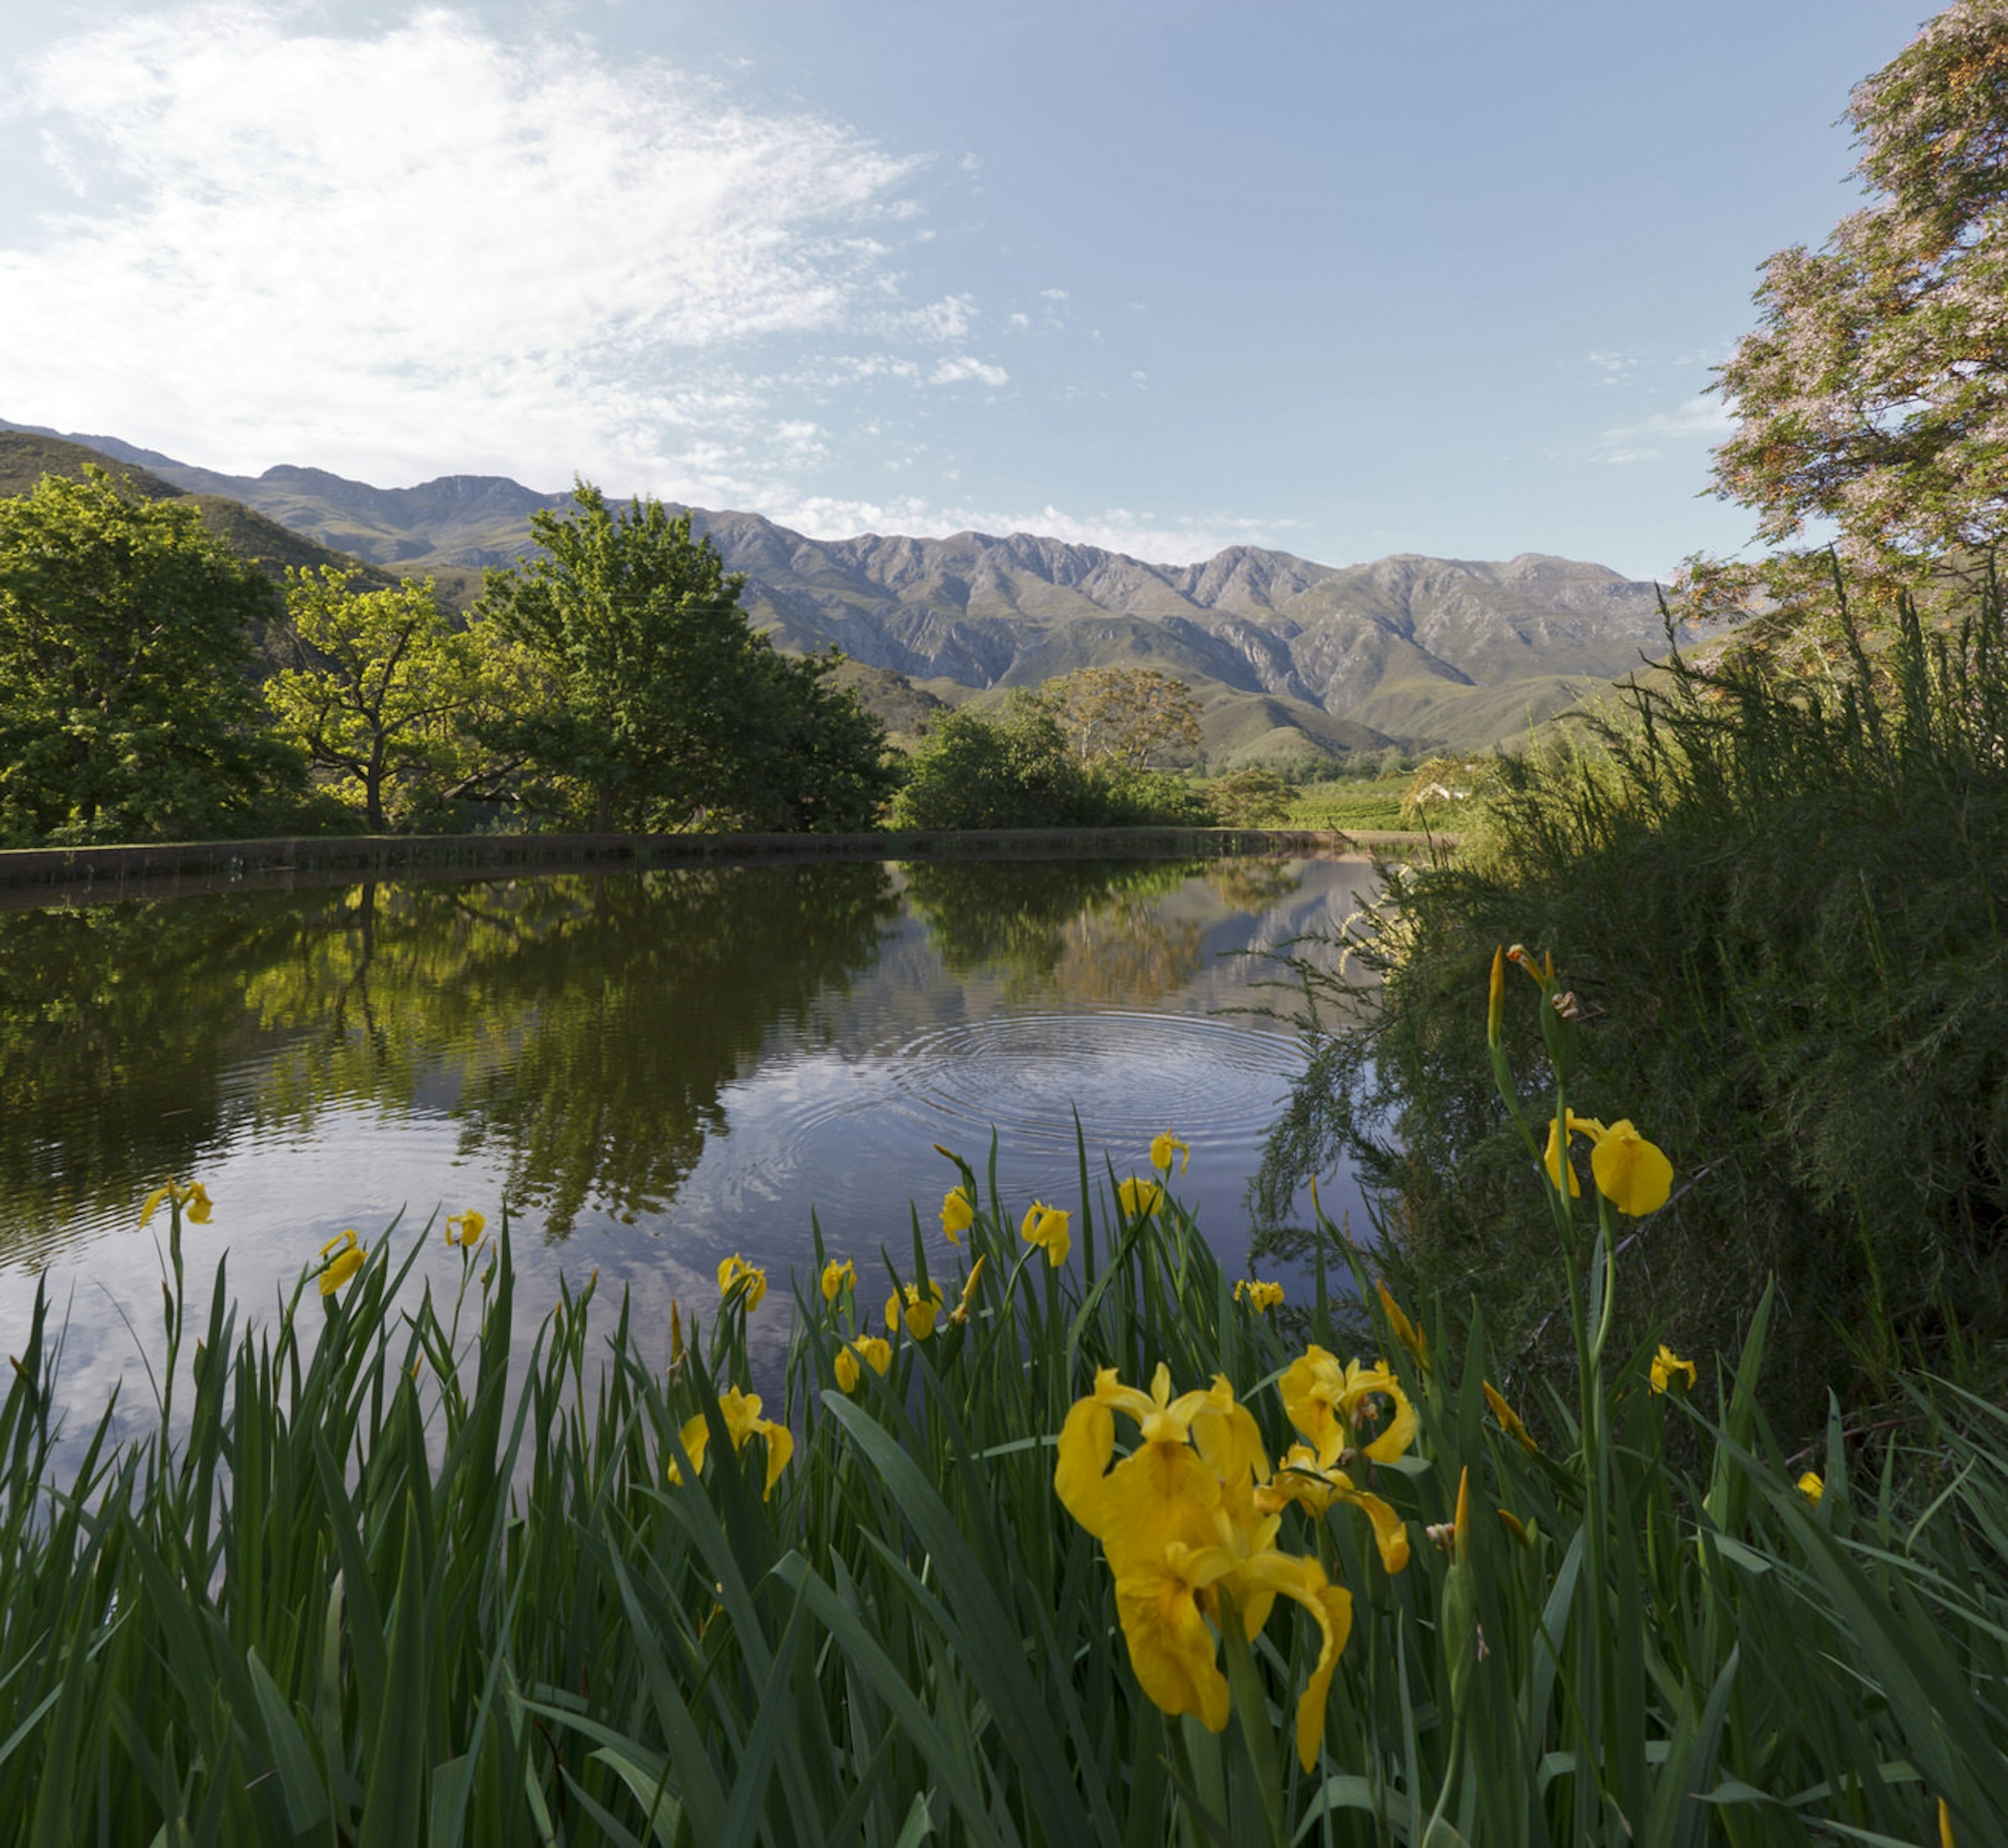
(1704, 416)
(965, 368)
(430, 249)
(948, 320)
(1116, 529)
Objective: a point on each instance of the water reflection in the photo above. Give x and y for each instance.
(650, 1070)
(1085, 931)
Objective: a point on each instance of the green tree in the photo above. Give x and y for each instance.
(1119, 719)
(377, 682)
(126, 708)
(1012, 771)
(1875, 393)
(1253, 798)
(664, 710)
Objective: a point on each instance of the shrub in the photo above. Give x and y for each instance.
(1781, 903)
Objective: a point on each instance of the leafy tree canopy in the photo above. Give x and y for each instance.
(1875, 393)
(662, 710)
(124, 652)
(1012, 771)
(1121, 718)
(377, 685)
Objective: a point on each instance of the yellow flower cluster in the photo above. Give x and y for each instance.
(1140, 1198)
(1260, 1297)
(1189, 1519)
(874, 1350)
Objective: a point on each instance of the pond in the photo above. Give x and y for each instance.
(650, 1070)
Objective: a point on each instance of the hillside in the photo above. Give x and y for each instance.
(26, 456)
(1291, 658)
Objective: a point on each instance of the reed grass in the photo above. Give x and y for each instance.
(1780, 891)
(360, 1585)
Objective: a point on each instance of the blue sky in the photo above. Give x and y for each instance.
(1344, 278)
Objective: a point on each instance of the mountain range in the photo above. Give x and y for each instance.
(1291, 658)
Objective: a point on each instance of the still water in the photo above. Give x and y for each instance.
(649, 1070)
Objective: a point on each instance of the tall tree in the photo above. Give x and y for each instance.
(1119, 719)
(1875, 393)
(377, 683)
(126, 708)
(666, 711)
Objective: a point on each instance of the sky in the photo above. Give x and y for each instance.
(1342, 277)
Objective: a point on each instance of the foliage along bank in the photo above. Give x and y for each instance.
(1781, 903)
(611, 682)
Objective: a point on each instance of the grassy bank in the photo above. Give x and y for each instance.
(361, 1586)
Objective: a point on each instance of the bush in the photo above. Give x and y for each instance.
(1781, 903)
(1016, 770)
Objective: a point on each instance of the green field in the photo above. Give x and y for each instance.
(1351, 803)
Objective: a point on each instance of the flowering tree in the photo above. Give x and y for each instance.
(1875, 393)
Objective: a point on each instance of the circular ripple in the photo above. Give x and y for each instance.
(1128, 1075)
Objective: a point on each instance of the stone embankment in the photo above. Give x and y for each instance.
(39, 875)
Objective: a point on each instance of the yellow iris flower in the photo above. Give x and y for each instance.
(741, 1412)
(1160, 1153)
(194, 1197)
(1260, 1297)
(1301, 1478)
(738, 1280)
(958, 1214)
(1046, 1227)
(838, 1277)
(920, 1304)
(1330, 1404)
(348, 1258)
(1811, 1487)
(1190, 1540)
(465, 1229)
(1631, 1173)
(1140, 1198)
(1666, 1363)
(875, 1350)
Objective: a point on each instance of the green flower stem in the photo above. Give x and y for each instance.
(1251, 1706)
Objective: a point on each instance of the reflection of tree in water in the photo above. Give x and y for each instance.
(117, 1022)
(585, 1025)
(1253, 884)
(633, 1016)
(582, 1026)
(1072, 929)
